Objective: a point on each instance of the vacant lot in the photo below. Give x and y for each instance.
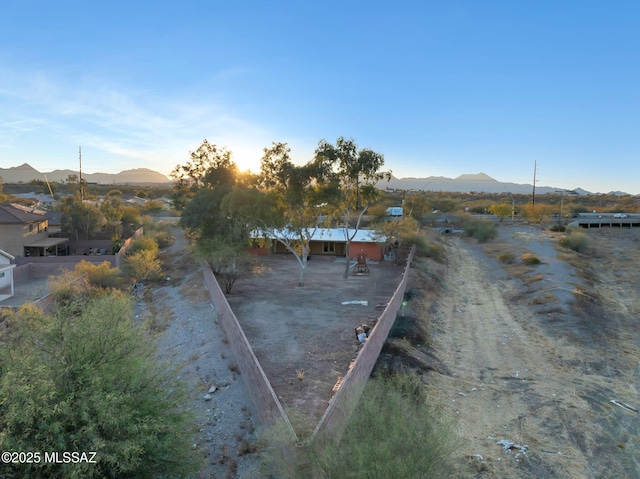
(545, 357)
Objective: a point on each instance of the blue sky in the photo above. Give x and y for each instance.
(440, 88)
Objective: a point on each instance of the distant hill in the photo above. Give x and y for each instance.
(480, 182)
(139, 176)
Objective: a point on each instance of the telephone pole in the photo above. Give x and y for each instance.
(533, 196)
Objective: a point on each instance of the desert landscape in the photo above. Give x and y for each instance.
(535, 364)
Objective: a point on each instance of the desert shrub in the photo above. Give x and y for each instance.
(143, 265)
(144, 243)
(576, 241)
(227, 261)
(100, 276)
(163, 238)
(483, 231)
(67, 288)
(507, 258)
(424, 247)
(558, 227)
(91, 384)
(417, 441)
(530, 259)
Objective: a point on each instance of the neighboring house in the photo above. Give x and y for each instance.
(24, 231)
(46, 201)
(6, 275)
(333, 242)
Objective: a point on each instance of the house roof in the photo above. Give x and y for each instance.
(11, 213)
(337, 234)
(7, 255)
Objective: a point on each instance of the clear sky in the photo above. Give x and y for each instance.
(440, 88)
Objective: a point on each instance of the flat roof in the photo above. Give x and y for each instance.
(47, 242)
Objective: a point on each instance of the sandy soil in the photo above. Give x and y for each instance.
(304, 337)
(528, 354)
(534, 355)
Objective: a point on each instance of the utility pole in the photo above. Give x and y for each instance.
(80, 177)
(533, 196)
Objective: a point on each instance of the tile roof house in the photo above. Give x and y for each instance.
(24, 231)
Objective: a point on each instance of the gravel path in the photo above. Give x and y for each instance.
(190, 339)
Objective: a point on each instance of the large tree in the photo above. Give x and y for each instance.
(357, 172)
(209, 167)
(297, 195)
(203, 182)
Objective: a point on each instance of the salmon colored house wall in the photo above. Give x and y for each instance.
(371, 250)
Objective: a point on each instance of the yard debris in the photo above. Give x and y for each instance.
(479, 456)
(362, 332)
(509, 446)
(363, 303)
(624, 406)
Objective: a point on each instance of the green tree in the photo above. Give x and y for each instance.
(296, 195)
(357, 172)
(209, 166)
(228, 261)
(80, 219)
(153, 207)
(84, 379)
(501, 210)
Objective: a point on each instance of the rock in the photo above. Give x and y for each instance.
(212, 389)
(208, 397)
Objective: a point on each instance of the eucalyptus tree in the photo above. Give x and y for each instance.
(296, 195)
(357, 173)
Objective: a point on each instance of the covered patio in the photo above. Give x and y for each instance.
(46, 247)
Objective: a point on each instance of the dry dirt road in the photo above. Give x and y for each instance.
(544, 357)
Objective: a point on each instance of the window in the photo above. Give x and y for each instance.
(328, 247)
(30, 228)
(2, 275)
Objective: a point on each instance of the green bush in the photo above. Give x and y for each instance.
(143, 265)
(507, 258)
(530, 259)
(89, 383)
(576, 241)
(144, 243)
(101, 276)
(394, 432)
(163, 238)
(483, 231)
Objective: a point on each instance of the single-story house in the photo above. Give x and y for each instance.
(333, 242)
(6, 275)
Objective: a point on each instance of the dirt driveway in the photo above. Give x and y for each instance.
(544, 357)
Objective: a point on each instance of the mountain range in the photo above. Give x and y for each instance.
(480, 182)
(139, 176)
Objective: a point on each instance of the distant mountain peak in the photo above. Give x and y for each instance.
(475, 177)
(26, 173)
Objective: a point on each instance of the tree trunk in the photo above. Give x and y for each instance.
(303, 268)
(346, 267)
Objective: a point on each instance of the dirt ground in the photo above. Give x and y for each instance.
(544, 357)
(304, 337)
(531, 355)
